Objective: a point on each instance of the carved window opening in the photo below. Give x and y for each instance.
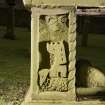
(59, 74)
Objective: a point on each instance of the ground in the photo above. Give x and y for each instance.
(15, 63)
(14, 67)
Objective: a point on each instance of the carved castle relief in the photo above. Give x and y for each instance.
(55, 77)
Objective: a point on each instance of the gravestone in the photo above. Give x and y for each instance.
(53, 51)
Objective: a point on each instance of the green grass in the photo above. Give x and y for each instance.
(14, 55)
(15, 66)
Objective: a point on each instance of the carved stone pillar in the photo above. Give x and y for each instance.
(53, 42)
(72, 50)
(53, 51)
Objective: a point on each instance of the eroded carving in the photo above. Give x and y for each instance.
(89, 76)
(53, 28)
(54, 32)
(55, 78)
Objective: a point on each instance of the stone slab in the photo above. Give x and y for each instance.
(66, 103)
(93, 3)
(30, 101)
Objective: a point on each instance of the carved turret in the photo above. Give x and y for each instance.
(58, 68)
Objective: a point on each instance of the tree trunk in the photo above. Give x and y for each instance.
(10, 23)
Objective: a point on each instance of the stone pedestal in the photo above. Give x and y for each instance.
(53, 42)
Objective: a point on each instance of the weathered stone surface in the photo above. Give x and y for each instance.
(27, 2)
(89, 76)
(54, 39)
(57, 79)
(66, 103)
(52, 70)
(65, 2)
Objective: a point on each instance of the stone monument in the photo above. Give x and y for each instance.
(53, 51)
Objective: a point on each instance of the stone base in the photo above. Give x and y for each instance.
(29, 101)
(65, 103)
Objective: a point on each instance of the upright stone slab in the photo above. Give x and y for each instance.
(53, 51)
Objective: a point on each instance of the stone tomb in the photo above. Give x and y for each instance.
(53, 51)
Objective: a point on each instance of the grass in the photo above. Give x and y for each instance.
(95, 52)
(14, 66)
(15, 63)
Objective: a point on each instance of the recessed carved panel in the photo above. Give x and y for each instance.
(55, 78)
(53, 72)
